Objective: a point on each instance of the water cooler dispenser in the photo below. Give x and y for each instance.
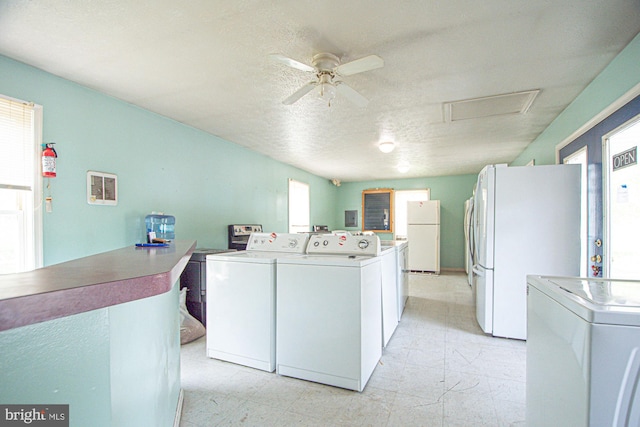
(162, 225)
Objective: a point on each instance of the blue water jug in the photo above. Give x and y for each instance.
(162, 225)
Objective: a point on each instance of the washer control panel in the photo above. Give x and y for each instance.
(278, 242)
(344, 244)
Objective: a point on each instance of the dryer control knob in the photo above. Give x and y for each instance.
(363, 244)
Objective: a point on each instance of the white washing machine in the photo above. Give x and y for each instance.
(402, 249)
(583, 352)
(241, 299)
(329, 319)
(402, 271)
(389, 266)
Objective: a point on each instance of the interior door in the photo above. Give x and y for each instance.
(622, 202)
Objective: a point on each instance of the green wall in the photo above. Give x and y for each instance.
(115, 366)
(452, 191)
(618, 78)
(62, 361)
(144, 361)
(162, 165)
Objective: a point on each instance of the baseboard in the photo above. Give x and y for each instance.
(178, 417)
(437, 273)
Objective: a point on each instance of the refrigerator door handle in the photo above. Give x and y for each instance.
(483, 291)
(478, 270)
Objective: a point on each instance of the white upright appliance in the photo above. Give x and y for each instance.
(468, 239)
(423, 233)
(526, 221)
(389, 273)
(402, 257)
(583, 352)
(241, 299)
(401, 248)
(329, 319)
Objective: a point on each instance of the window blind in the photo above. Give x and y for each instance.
(17, 169)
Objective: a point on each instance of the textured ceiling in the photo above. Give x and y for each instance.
(205, 63)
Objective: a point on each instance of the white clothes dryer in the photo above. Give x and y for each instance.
(241, 299)
(329, 318)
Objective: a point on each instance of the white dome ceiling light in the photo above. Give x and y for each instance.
(386, 146)
(403, 167)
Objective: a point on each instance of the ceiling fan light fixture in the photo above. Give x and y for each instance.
(327, 91)
(326, 67)
(386, 146)
(326, 88)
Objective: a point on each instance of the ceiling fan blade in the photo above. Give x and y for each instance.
(361, 65)
(291, 63)
(349, 93)
(300, 93)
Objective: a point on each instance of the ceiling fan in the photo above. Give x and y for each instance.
(328, 70)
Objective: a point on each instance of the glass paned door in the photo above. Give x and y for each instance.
(622, 202)
(580, 157)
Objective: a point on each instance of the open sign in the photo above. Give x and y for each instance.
(626, 158)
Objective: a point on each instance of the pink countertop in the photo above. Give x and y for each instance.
(90, 283)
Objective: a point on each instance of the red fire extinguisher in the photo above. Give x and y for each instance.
(49, 160)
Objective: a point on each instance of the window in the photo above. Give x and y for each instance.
(580, 157)
(402, 197)
(298, 206)
(377, 210)
(20, 189)
(621, 201)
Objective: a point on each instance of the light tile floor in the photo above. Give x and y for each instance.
(439, 369)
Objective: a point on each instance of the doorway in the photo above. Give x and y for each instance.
(400, 213)
(618, 117)
(622, 201)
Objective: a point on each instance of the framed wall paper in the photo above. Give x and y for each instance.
(102, 188)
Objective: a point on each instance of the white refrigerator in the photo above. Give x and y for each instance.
(423, 234)
(468, 239)
(526, 221)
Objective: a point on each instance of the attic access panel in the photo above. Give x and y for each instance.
(497, 105)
